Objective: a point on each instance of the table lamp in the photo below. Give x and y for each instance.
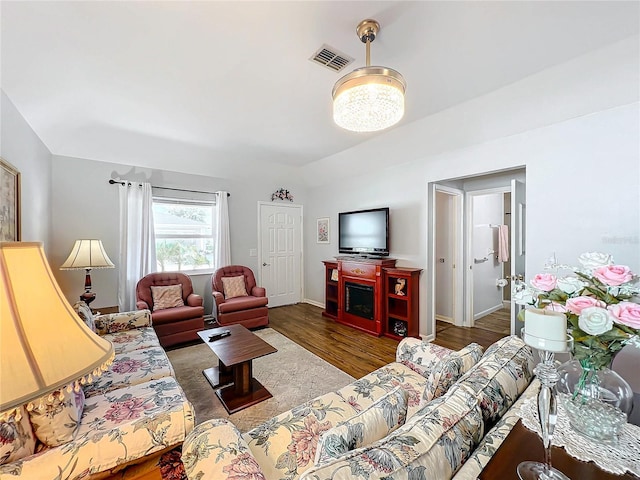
(87, 254)
(546, 331)
(44, 344)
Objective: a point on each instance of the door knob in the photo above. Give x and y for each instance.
(265, 264)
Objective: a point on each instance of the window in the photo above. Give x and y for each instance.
(184, 232)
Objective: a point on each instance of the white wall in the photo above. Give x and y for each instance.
(85, 205)
(21, 147)
(574, 127)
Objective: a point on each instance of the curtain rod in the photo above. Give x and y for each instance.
(113, 182)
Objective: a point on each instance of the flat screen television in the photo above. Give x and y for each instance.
(364, 232)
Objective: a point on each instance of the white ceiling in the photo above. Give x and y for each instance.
(233, 79)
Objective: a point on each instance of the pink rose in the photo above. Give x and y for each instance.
(613, 275)
(544, 281)
(577, 304)
(627, 313)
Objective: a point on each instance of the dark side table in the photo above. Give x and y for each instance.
(522, 444)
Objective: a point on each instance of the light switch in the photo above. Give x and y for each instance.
(253, 252)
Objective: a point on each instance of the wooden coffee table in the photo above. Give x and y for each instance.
(233, 377)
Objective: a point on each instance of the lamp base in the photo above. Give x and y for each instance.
(88, 297)
(539, 471)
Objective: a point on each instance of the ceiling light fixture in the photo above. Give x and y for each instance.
(369, 98)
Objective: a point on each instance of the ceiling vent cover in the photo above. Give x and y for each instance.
(331, 58)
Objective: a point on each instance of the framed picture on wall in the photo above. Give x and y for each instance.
(9, 202)
(323, 230)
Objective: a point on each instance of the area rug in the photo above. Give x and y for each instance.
(293, 375)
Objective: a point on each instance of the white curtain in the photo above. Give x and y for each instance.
(137, 241)
(222, 249)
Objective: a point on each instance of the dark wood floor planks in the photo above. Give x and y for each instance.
(498, 321)
(355, 352)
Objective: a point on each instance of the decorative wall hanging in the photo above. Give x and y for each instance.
(323, 230)
(9, 203)
(282, 194)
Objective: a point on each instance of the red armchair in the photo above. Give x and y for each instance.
(249, 310)
(176, 324)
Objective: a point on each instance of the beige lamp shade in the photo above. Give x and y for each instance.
(87, 253)
(44, 345)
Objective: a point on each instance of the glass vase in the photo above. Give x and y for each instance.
(597, 400)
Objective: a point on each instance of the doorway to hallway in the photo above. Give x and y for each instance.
(483, 217)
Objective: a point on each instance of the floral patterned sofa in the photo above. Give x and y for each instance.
(132, 413)
(434, 413)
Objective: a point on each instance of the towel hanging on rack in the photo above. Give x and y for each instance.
(503, 243)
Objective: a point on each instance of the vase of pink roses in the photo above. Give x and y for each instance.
(598, 299)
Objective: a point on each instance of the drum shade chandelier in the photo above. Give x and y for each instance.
(369, 98)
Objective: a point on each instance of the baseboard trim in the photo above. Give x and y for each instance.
(487, 311)
(442, 318)
(428, 338)
(314, 303)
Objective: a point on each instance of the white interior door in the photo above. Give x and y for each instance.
(280, 254)
(449, 254)
(518, 247)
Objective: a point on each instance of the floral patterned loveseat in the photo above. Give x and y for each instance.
(132, 413)
(433, 413)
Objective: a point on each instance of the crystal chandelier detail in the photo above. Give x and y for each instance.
(369, 98)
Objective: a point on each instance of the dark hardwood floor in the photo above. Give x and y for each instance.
(498, 321)
(355, 352)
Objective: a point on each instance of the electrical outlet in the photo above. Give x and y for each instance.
(253, 252)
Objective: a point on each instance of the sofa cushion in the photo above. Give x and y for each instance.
(449, 370)
(363, 392)
(132, 368)
(16, 437)
(167, 296)
(119, 322)
(55, 418)
(116, 428)
(85, 313)
(234, 287)
(420, 356)
(494, 437)
(242, 303)
(499, 378)
(130, 340)
(285, 446)
(216, 449)
(375, 422)
(436, 440)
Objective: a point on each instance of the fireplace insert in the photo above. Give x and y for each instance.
(359, 300)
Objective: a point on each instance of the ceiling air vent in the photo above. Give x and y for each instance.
(331, 58)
